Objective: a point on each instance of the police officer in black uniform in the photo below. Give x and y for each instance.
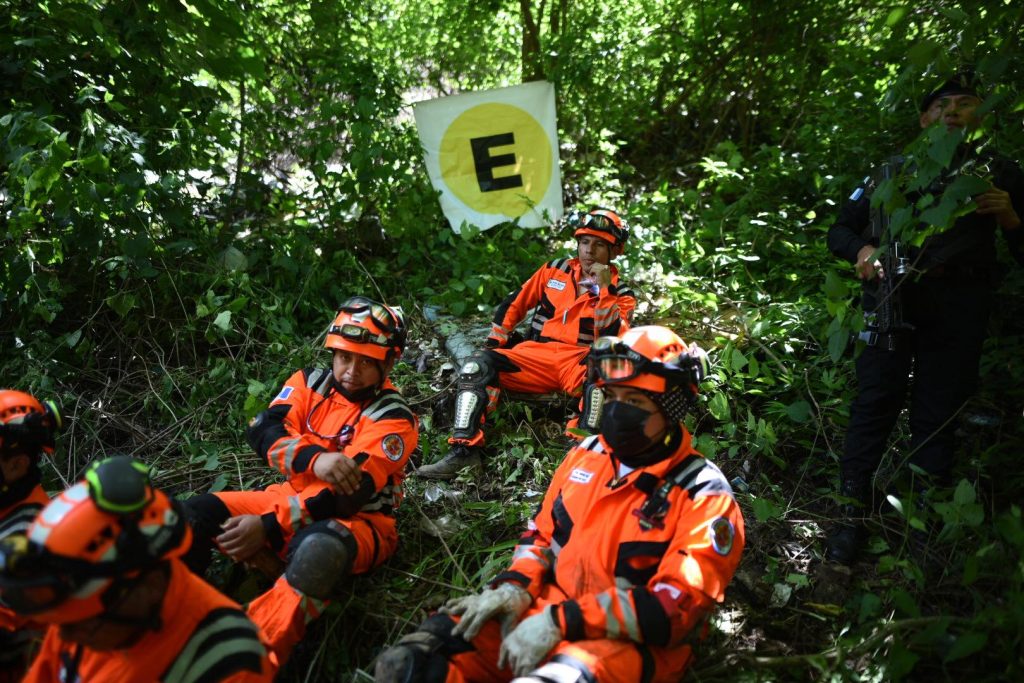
(945, 304)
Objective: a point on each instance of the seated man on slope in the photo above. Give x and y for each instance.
(576, 300)
(633, 545)
(27, 431)
(101, 565)
(341, 436)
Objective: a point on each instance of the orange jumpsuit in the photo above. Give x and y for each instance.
(203, 636)
(564, 325)
(16, 632)
(633, 584)
(379, 434)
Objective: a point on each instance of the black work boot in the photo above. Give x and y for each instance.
(460, 457)
(847, 538)
(415, 658)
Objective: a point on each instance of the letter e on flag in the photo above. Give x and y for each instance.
(493, 155)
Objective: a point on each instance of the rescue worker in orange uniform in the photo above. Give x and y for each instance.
(101, 566)
(575, 301)
(27, 431)
(341, 436)
(634, 544)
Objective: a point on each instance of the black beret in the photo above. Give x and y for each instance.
(960, 84)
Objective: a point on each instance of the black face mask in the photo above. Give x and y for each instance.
(622, 427)
(358, 396)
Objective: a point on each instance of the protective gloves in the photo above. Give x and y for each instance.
(529, 642)
(507, 601)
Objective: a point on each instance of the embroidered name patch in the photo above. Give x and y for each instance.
(283, 396)
(581, 476)
(393, 447)
(556, 284)
(722, 535)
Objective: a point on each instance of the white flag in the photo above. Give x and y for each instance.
(493, 155)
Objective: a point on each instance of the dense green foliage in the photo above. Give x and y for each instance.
(188, 189)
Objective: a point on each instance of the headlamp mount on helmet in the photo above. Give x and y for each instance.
(362, 324)
(603, 223)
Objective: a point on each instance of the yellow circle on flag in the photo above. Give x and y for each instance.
(496, 158)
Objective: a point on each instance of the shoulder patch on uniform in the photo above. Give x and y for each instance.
(556, 284)
(722, 535)
(285, 393)
(581, 476)
(393, 447)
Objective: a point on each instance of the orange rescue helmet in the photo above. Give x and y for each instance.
(94, 537)
(655, 360)
(27, 425)
(603, 223)
(369, 328)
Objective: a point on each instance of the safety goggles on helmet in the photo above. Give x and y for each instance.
(360, 306)
(367, 327)
(615, 362)
(601, 223)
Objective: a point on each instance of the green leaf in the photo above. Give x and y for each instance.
(95, 163)
(956, 16)
(834, 286)
(964, 493)
(223, 320)
(922, 54)
(966, 645)
(232, 259)
(901, 662)
(73, 337)
(905, 603)
(719, 407)
(739, 361)
(121, 303)
(895, 16)
(943, 144)
(799, 411)
(765, 509)
(798, 580)
(837, 343)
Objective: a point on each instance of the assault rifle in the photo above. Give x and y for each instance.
(886, 325)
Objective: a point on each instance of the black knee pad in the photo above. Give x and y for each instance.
(319, 557)
(476, 374)
(206, 514)
(590, 412)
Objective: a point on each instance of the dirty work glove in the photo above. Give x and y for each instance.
(507, 600)
(530, 641)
